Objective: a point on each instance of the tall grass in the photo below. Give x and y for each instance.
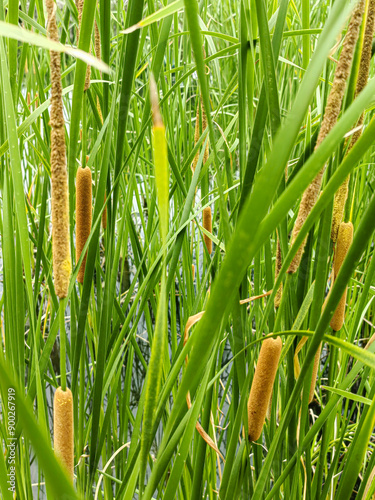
(198, 137)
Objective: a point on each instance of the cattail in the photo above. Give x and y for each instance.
(261, 388)
(315, 372)
(62, 266)
(193, 271)
(83, 214)
(363, 73)
(64, 428)
(79, 5)
(279, 263)
(97, 41)
(207, 224)
(344, 240)
(331, 114)
(98, 55)
(339, 208)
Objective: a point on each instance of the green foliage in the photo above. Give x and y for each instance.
(143, 365)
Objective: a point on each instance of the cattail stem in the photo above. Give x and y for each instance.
(83, 214)
(261, 388)
(59, 177)
(207, 225)
(64, 429)
(331, 114)
(344, 240)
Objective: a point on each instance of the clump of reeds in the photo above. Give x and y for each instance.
(59, 177)
(344, 240)
(64, 428)
(363, 74)
(278, 265)
(83, 214)
(331, 114)
(261, 388)
(207, 224)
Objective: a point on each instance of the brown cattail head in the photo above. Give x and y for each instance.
(278, 265)
(79, 5)
(97, 41)
(64, 428)
(261, 388)
(364, 66)
(331, 114)
(207, 224)
(315, 372)
(344, 240)
(59, 177)
(363, 73)
(339, 208)
(83, 214)
(98, 55)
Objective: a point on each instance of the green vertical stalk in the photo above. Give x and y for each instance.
(305, 38)
(105, 40)
(242, 73)
(129, 61)
(12, 47)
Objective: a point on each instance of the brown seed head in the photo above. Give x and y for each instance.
(339, 208)
(59, 177)
(363, 73)
(331, 114)
(64, 428)
(207, 224)
(79, 5)
(344, 240)
(83, 214)
(62, 266)
(261, 388)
